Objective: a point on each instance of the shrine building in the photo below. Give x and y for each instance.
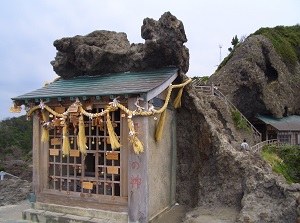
(104, 147)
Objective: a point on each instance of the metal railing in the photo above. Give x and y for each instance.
(212, 90)
(2, 174)
(257, 148)
(223, 97)
(204, 89)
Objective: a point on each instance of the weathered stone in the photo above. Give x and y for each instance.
(102, 52)
(257, 80)
(214, 172)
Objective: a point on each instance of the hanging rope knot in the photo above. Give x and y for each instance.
(66, 113)
(42, 105)
(77, 101)
(46, 124)
(151, 108)
(27, 108)
(136, 103)
(115, 102)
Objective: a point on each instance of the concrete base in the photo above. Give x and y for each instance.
(49, 213)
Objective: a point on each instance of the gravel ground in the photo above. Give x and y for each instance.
(13, 213)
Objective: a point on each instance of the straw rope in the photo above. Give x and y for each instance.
(138, 147)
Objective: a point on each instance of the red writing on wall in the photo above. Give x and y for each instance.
(135, 181)
(135, 165)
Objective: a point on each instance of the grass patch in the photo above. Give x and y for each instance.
(285, 160)
(239, 121)
(286, 41)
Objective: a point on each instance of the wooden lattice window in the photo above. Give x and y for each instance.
(102, 172)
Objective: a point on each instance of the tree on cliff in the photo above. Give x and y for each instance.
(15, 135)
(234, 43)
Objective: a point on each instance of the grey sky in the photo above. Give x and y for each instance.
(28, 29)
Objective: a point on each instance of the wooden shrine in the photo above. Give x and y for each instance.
(104, 146)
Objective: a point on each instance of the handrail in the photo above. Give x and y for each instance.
(256, 148)
(221, 95)
(211, 90)
(2, 174)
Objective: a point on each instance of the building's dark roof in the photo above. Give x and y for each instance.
(149, 84)
(290, 123)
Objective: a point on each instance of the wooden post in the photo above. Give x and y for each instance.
(36, 153)
(138, 193)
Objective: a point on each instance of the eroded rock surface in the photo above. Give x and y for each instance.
(213, 172)
(257, 80)
(102, 52)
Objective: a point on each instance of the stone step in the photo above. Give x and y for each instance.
(17, 221)
(33, 215)
(43, 212)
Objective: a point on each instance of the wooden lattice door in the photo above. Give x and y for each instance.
(102, 172)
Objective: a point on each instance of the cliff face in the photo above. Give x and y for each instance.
(257, 80)
(214, 172)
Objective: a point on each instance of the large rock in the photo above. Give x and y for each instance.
(102, 52)
(257, 80)
(213, 172)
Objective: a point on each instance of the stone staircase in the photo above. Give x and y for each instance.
(209, 90)
(49, 213)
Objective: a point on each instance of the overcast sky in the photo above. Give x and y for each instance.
(29, 28)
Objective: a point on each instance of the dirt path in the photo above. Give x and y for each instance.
(13, 213)
(213, 215)
(199, 215)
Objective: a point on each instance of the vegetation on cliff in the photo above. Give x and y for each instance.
(286, 41)
(15, 137)
(285, 160)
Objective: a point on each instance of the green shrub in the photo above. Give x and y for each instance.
(285, 160)
(286, 41)
(238, 120)
(2, 168)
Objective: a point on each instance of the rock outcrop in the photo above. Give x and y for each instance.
(102, 52)
(213, 172)
(257, 80)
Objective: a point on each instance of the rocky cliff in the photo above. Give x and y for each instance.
(260, 79)
(214, 173)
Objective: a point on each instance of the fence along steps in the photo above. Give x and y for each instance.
(257, 148)
(210, 90)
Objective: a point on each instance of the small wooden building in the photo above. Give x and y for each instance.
(95, 154)
(286, 130)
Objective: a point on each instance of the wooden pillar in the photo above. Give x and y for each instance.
(36, 138)
(138, 193)
(40, 161)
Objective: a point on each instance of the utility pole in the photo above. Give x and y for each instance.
(220, 46)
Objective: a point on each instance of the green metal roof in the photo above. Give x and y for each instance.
(290, 123)
(146, 83)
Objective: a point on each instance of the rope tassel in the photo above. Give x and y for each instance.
(66, 142)
(160, 126)
(136, 143)
(177, 101)
(81, 138)
(114, 140)
(45, 132)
